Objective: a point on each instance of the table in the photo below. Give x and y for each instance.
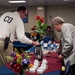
(54, 65)
(6, 71)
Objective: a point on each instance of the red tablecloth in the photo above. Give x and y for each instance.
(53, 63)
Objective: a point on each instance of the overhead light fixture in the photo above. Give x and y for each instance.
(39, 8)
(66, 0)
(17, 1)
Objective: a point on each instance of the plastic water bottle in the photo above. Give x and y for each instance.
(54, 45)
(42, 43)
(49, 44)
(51, 47)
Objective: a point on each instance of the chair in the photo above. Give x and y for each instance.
(67, 68)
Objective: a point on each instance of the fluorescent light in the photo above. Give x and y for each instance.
(66, 0)
(17, 1)
(39, 8)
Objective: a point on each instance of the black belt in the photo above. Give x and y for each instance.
(1, 39)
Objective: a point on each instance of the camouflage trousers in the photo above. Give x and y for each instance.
(4, 53)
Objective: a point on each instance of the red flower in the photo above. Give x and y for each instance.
(37, 17)
(15, 58)
(17, 67)
(42, 19)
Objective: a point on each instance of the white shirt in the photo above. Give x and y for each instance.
(11, 22)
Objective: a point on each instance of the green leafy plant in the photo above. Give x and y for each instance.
(40, 26)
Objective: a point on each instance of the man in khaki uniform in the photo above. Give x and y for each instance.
(11, 23)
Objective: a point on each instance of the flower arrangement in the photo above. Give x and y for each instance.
(20, 62)
(39, 27)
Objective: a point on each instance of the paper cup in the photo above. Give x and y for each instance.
(32, 70)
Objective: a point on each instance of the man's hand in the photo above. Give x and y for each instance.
(60, 56)
(35, 43)
(52, 51)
